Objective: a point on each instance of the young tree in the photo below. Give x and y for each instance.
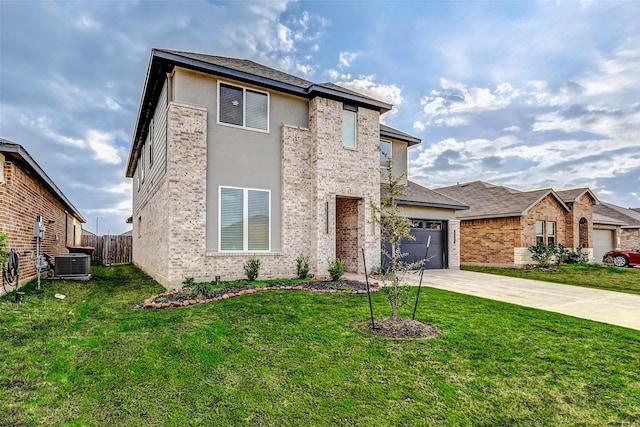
(394, 228)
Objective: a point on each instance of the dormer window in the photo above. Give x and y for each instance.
(243, 107)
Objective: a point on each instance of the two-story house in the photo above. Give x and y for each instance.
(232, 160)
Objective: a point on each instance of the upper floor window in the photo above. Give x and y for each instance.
(385, 153)
(239, 106)
(349, 122)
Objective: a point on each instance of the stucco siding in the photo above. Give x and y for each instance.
(240, 157)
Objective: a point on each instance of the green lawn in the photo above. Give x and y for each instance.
(296, 358)
(587, 275)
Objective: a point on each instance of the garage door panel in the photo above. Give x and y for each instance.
(416, 248)
(603, 242)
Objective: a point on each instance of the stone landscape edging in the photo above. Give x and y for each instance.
(149, 303)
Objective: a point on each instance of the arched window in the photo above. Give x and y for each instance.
(584, 233)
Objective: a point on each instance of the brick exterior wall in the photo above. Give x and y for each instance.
(347, 233)
(629, 238)
(453, 239)
(547, 209)
(22, 198)
(489, 241)
(505, 241)
(583, 208)
(339, 171)
(169, 235)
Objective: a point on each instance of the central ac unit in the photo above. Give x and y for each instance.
(72, 265)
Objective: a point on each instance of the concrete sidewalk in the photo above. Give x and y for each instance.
(615, 308)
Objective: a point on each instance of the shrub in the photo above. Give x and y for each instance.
(381, 271)
(204, 289)
(251, 268)
(302, 266)
(577, 256)
(571, 256)
(336, 268)
(3, 245)
(543, 254)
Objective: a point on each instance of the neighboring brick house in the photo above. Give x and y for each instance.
(615, 227)
(233, 160)
(503, 222)
(25, 192)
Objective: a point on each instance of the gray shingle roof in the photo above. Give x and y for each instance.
(17, 152)
(493, 201)
(418, 195)
(389, 132)
(163, 61)
(574, 194)
(244, 65)
(628, 218)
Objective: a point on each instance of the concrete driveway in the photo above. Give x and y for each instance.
(615, 308)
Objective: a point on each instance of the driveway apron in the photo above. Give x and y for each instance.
(615, 308)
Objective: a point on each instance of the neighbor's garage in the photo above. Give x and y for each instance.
(603, 242)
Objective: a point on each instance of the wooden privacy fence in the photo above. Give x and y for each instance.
(109, 249)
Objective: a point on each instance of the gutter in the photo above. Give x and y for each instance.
(19, 151)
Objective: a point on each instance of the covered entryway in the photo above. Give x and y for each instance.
(348, 232)
(603, 242)
(421, 230)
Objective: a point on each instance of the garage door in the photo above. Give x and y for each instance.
(436, 259)
(603, 242)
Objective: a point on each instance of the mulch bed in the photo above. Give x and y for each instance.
(402, 328)
(182, 297)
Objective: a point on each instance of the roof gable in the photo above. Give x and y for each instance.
(493, 201)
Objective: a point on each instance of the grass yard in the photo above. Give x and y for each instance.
(296, 358)
(587, 275)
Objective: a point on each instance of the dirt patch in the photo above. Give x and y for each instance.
(182, 297)
(402, 328)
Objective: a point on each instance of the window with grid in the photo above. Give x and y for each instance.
(243, 107)
(245, 220)
(539, 232)
(551, 233)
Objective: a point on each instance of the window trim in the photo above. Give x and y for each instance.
(245, 220)
(351, 109)
(544, 237)
(244, 107)
(390, 153)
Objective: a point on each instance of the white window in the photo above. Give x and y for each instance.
(245, 220)
(385, 153)
(242, 107)
(546, 232)
(349, 123)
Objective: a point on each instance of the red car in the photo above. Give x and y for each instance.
(629, 257)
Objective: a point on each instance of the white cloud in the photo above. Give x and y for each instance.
(103, 151)
(368, 86)
(419, 126)
(346, 58)
(513, 129)
(85, 22)
(112, 104)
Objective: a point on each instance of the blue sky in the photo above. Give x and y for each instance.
(525, 94)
